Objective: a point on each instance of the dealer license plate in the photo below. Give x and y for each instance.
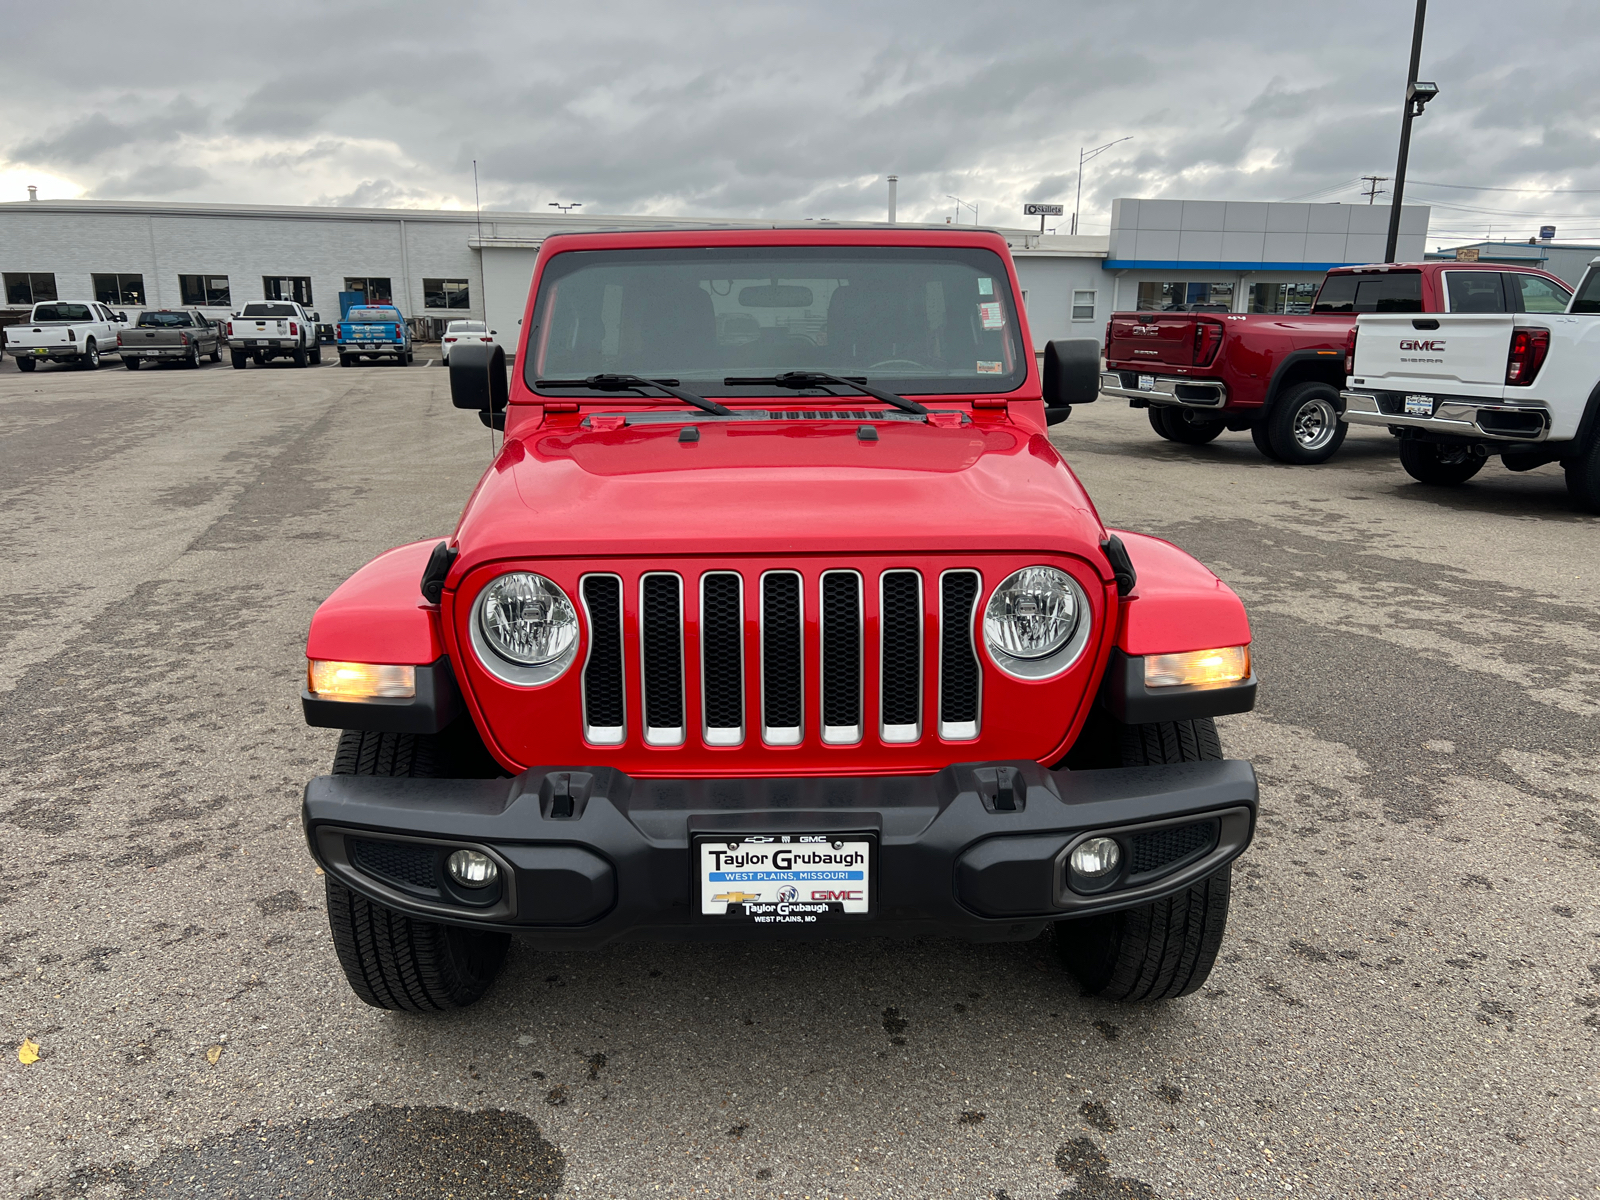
(41, 350)
(1419, 406)
(788, 879)
(1147, 383)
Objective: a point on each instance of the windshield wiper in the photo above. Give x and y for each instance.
(810, 379)
(632, 383)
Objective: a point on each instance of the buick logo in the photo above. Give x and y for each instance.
(788, 893)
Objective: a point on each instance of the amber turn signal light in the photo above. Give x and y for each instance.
(1197, 668)
(360, 681)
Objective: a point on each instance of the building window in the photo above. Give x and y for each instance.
(1185, 296)
(119, 289)
(30, 288)
(373, 291)
(204, 291)
(1282, 297)
(445, 293)
(287, 287)
(1083, 306)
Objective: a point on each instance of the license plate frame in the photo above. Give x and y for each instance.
(1418, 406)
(40, 351)
(1147, 383)
(823, 893)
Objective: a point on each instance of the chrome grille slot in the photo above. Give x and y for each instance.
(722, 657)
(841, 658)
(960, 677)
(782, 663)
(661, 655)
(604, 719)
(900, 637)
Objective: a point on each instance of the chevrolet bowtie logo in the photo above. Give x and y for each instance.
(736, 897)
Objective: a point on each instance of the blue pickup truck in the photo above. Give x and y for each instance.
(370, 331)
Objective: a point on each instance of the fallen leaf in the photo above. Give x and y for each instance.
(28, 1052)
(319, 871)
(212, 1054)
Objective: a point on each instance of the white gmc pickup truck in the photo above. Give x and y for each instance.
(1457, 387)
(69, 331)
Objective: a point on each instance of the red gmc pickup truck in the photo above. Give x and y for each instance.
(1279, 375)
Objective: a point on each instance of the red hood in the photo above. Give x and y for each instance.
(777, 488)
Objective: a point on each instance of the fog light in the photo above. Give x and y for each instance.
(360, 681)
(473, 869)
(1095, 858)
(1197, 668)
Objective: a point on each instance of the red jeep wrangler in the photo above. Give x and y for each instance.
(777, 614)
(1279, 376)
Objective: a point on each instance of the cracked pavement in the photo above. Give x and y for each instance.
(1408, 1001)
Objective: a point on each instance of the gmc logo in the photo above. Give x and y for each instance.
(1144, 331)
(1433, 347)
(827, 895)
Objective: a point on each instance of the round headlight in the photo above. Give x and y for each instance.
(1033, 613)
(527, 620)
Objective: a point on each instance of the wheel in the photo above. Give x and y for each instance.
(1304, 426)
(411, 357)
(192, 363)
(301, 358)
(1166, 949)
(1186, 426)
(1583, 476)
(216, 354)
(26, 364)
(90, 360)
(391, 960)
(1438, 464)
(133, 364)
(1258, 435)
(1158, 421)
(239, 358)
(316, 355)
(346, 360)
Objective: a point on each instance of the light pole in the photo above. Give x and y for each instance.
(1417, 97)
(1083, 157)
(566, 208)
(960, 204)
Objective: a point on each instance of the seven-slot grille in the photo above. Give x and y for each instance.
(726, 707)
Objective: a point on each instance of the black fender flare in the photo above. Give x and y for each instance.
(1275, 386)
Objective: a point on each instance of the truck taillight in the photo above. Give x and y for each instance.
(1207, 337)
(1528, 348)
(1350, 351)
(230, 328)
(119, 338)
(184, 338)
(72, 335)
(294, 329)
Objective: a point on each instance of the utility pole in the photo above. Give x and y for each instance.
(1375, 190)
(1417, 97)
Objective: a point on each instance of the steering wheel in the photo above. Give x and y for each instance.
(899, 362)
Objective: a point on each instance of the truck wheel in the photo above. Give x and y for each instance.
(1161, 950)
(1583, 475)
(1158, 421)
(301, 358)
(216, 355)
(192, 363)
(239, 358)
(1185, 426)
(133, 364)
(26, 364)
(316, 355)
(346, 360)
(1303, 427)
(1438, 464)
(1258, 435)
(90, 360)
(391, 960)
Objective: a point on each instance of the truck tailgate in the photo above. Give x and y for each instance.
(1465, 353)
(1164, 339)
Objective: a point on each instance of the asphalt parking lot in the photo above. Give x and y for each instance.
(1408, 1002)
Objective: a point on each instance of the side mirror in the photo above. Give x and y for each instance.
(478, 378)
(1071, 376)
(123, 317)
(494, 333)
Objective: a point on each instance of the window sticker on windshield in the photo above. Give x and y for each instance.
(990, 314)
(988, 368)
(985, 286)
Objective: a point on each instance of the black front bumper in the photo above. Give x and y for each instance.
(976, 851)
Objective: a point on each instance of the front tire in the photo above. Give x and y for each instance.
(392, 960)
(1186, 426)
(1438, 464)
(1166, 949)
(1303, 427)
(1583, 476)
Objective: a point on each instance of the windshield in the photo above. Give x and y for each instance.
(370, 314)
(61, 312)
(1389, 292)
(912, 320)
(269, 310)
(164, 320)
(466, 327)
(1588, 297)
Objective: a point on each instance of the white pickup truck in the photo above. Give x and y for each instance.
(74, 331)
(1458, 387)
(267, 329)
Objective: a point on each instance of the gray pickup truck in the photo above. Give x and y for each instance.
(179, 335)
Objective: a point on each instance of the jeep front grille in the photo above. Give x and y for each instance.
(756, 671)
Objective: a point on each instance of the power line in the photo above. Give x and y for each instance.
(1473, 187)
(1375, 190)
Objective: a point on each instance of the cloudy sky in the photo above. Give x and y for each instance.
(795, 110)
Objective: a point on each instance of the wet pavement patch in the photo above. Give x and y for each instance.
(1082, 1158)
(377, 1153)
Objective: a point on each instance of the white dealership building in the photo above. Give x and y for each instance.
(441, 265)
